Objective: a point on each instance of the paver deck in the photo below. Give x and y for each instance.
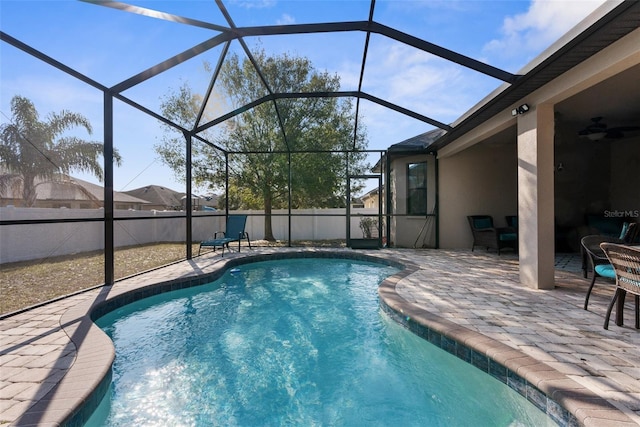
(52, 357)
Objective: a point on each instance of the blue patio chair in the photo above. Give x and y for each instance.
(234, 233)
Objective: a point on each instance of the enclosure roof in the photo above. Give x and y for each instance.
(363, 32)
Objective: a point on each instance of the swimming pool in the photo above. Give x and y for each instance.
(293, 342)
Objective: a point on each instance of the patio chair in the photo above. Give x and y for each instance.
(596, 259)
(485, 234)
(626, 264)
(512, 221)
(628, 234)
(234, 233)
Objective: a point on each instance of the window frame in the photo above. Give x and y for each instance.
(416, 191)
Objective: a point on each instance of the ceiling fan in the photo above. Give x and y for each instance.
(597, 130)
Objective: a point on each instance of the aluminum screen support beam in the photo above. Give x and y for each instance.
(375, 27)
(257, 68)
(189, 200)
(343, 94)
(172, 62)
(365, 50)
(109, 233)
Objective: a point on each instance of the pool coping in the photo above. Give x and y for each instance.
(77, 394)
(565, 401)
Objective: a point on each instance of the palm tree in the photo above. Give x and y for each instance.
(31, 149)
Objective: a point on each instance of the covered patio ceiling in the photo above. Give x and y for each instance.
(359, 39)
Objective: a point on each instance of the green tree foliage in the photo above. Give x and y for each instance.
(31, 149)
(318, 133)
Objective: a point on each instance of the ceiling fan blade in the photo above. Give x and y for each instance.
(596, 126)
(625, 128)
(614, 134)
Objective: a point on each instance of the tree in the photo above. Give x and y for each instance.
(32, 149)
(319, 132)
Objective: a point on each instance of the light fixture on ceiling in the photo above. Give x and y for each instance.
(520, 110)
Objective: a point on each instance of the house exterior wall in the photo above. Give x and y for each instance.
(412, 231)
(371, 201)
(481, 180)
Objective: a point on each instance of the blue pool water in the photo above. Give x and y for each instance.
(298, 342)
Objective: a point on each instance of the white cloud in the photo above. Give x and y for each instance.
(51, 94)
(286, 19)
(545, 22)
(254, 4)
(419, 81)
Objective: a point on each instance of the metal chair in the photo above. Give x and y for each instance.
(235, 232)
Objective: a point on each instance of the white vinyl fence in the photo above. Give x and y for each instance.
(37, 241)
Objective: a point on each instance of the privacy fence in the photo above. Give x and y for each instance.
(83, 229)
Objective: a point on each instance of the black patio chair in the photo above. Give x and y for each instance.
(485, 234)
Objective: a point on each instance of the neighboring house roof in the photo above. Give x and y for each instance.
(168, 198)
(54, 189)
(158, 195)
(371, 193)
(68, 188)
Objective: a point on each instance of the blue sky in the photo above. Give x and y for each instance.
(110, 46)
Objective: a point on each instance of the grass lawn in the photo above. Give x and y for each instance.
(23, 284)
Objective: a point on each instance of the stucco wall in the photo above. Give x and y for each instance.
(479, 180)
(412, 231)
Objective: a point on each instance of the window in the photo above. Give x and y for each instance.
(417, 188)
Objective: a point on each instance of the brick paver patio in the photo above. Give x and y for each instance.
(52, 357)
